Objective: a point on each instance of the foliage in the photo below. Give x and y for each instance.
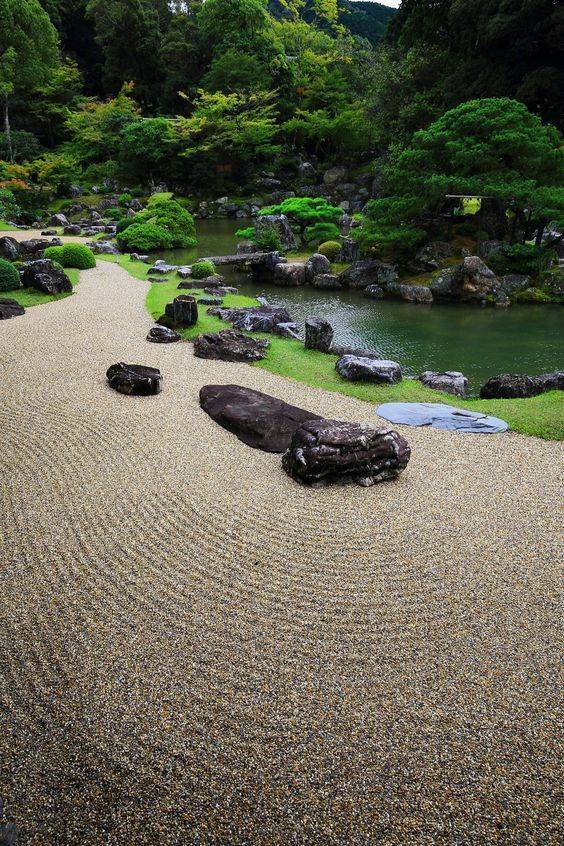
(72, 255)
(113, 214)
(9, 208)
(24, 146)
(56, 170)
(9, 276)
(144, 145)
(125, 198)
(319, 232)
(492, 148)
(202, 269)
(144, 237)
(95, 127)
(172, 217)
(124, 223)
(330, 249)
(521, 258)
(306, 212)
(265, 238)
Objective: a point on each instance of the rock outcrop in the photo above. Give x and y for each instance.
(326, 452)
(257, 419)
(230, 345)
(318, 334)
(362, 369)
(45, 276)
(450, 381)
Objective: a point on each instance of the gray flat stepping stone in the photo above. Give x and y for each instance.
(441, 416)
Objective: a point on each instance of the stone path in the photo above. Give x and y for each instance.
(196, 650)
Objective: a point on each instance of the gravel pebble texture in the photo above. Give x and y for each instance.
(194, 649)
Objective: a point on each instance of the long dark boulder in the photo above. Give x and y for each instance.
(257, 419)
(10, 308)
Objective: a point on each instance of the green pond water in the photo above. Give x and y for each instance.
(480, 342)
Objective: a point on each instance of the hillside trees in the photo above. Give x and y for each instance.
(28, 54)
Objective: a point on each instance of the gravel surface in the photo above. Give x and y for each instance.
(194, 649)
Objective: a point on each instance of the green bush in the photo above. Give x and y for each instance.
(144, 237)
(320, 232)
(125, 198)
(113, 214)
(9, 276)
(248, 233)
(330, 249)
(72, 255)
(169, 215)
(521, 258)
(201, 269)
(124, 223)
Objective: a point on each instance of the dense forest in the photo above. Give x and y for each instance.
(444, 97)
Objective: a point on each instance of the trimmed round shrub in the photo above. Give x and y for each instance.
(113, 214)
(144, 237)
(72, 255)
(169, 214)
(125, 198)
(330, 249)
(201, 269)
(9, 276)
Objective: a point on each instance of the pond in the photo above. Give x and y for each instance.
(479, 341)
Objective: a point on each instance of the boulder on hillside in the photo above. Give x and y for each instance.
(410, 293)
(72, 229)
(10, 308)
(134, 379)
(9, 248)
(318, 334)
(360, 369)
(182, 311)
(450, 381)
(259, 420)
(316, 265)
(45, 276)
(432, 253)
(325, 452)
(230, 345)
(473, 279)
(58, 220)
(334, 175)
(103, 247)
(163, 335)
(281, 224)
(485, 249)
(512, 283)
(326, 281)
(289, 274)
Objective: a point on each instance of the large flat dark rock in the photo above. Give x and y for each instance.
(259, 420)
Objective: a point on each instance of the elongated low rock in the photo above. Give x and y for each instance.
(134, 379)
(259, 420)
(324, 452)
(230, 345)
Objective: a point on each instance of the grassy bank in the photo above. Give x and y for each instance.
(29, 297)
(541, 416)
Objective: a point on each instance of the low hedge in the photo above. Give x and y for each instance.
(330, 249)
(144, 237)
(72, 255)
(201, 269)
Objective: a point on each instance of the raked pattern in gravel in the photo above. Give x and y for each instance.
(196, 650)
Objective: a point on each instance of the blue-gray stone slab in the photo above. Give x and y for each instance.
(441, 416)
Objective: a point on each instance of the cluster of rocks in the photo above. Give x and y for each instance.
(45, 276)
(261, 318)
(316, 451)
(230, 345)
(13, 250)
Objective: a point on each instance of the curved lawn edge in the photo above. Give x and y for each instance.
(541, 416)
(28, 297)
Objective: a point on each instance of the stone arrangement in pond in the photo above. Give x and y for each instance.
(325, 452)
(355, 368)
(230, 345)
(450, 381)
(441, 416)
(134, 379)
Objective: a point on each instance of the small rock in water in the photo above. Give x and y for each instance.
(134, 379)
(326, 452)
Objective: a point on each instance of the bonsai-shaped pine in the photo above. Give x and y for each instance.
(494, 149)
(306, 214)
